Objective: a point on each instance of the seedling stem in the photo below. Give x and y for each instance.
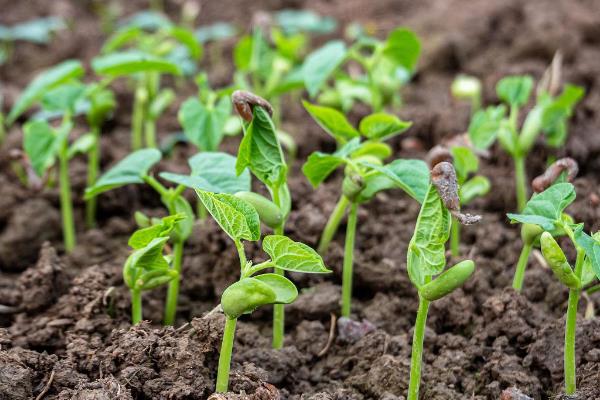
(225, 356)
(136, 306)
(66, 203)
(455, 238)
(332, 224)
(520, 182)
(417, 350)
(349, 260)
(93, 168)
(521, 266)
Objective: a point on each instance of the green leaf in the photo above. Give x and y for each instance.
(591, 246)
(261, 152)
(285, 291)
(485, 126)
(242, 53)
(412, 176)
(212, 172)
(477, 186)
(160, 103)
(132, 62)
(120, 38)
(187, 39)
(515, 90)
(204, 126)
(427, 250)
(57, 75)
(403, 47)
(82, 145)
(293, 256)
(245, 296)
(184, 227)
(379, 150)
(332, 121)
(320, 65)
(63, 98)
(142, 237)
(36, 30)
(148, 20)
(296, 21)
(236, 217)
(382, 126)
(131, 169)
(545, 209)
(146, 259)
(465, 162)
(320, 165)
(215, 32)
(102, 103)
(39, 143)
(555, 115)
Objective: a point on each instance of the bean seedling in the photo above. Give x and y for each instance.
(562, 170)
(386, 66)
(365, 175)
(145, 52)
(37, 31)
(545, 210)
(426, 257)
(549, 115)
(465, 87)
(241, 221)
(147, 267)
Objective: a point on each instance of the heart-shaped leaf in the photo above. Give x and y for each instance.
(320, 165)
(412, 176)
(236, 217)
(204, 126)
(332, 121)
(39, 143)
(293, 256)
(132, 62)
(382, 126)
(515, 90)
(320, 65)
(403, 47)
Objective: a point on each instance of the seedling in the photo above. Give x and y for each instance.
(386, 67)
(563, 170)
(373, 129)
(147, 267)
(241, 221)
(37, 31)
(549, 115)
(426, 257)
(466, 87)
(365, 175)
(545, 210)
(466, 163)
(145, 50)
(56, 89)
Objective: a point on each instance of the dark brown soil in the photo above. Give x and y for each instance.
(66, 331)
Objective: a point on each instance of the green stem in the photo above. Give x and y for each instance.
(455, 238)
(173, 291)
(521, 266)
(278, 310)
(92, 175)
(520, 182)
(225, 355)
(593, 289)
(417, 350)
(349, 260)
(150, 133)
(570, 329)
(136, 306)
(66, 203)
(137, 121)
(332, 224)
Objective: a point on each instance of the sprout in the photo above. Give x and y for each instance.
(426, 258)
(545, 212)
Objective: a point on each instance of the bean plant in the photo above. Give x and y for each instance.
(470, 186)
(563, 170)
(37, 31)
(385, 66)
(549, 116)
(466, 87)
(365, 175)
(545, 210)
(426, 258)
(145, 52)
(147, 267)
(241, 221)
(208, 168)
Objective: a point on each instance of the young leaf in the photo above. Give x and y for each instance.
(465, 162)
(63, 98)
(412, 176)
(403, 47)
(382, 126)
(293, 256)
(147, 258)
(321, 63)
(204, 126)
(545, 209)
(131, 169)
(132, 62)
(212, 172)
(477, 186)
(515, 90)
(142, 237)
(285, 291)
(485, 126)
(260, 150)
(332, 121)
(47, 80)
(215, 32)
(82, 145)
(591, 246)
(39, 143)
(320, 165)
(426, 250)
(237, 218)
(187, 39)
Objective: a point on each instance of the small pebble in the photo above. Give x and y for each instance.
(352, 331)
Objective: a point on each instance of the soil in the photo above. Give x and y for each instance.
(65, 330)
